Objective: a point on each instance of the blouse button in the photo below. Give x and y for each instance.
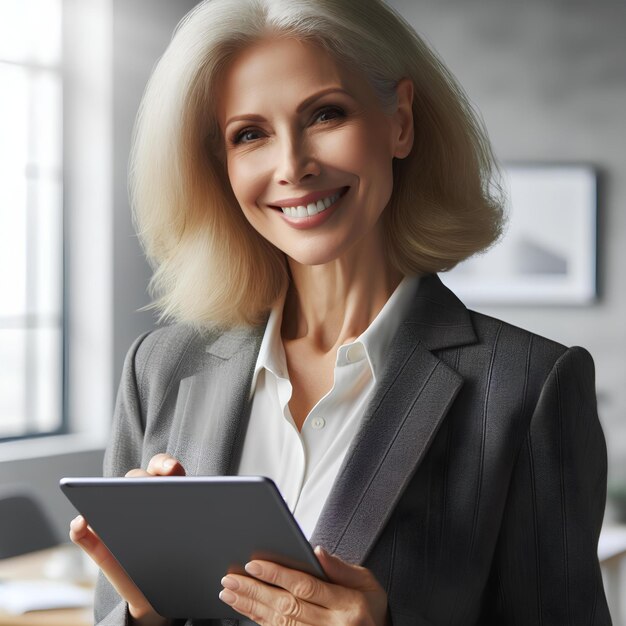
(355, 352)
(318, 423)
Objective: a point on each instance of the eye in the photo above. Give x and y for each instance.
(246, 135)
(329, 113)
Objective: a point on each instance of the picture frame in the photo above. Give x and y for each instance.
(547, 254)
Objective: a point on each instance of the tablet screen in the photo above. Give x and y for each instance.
(176, 537)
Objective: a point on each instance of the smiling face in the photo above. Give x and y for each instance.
(309, 149)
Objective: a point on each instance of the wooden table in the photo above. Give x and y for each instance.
(32, 566)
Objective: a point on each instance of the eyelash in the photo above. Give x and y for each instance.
(340, 113)
(334, 109)
(238, 136)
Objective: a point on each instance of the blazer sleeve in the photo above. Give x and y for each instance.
(123, 453)
(545, 569)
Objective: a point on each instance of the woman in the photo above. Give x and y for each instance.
(301, 170)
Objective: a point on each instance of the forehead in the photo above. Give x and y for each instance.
(279, 70)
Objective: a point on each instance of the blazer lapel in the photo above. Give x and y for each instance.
(414, 395)
(213, 406)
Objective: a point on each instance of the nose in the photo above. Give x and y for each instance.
(296, 161)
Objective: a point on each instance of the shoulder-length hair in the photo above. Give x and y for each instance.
(212, 269)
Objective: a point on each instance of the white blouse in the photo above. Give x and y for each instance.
(304, 464)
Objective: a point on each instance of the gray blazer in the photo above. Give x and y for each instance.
(474, 490)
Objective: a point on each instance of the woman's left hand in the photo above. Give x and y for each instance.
(273, 594)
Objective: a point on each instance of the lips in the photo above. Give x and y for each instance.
(309, 205)
(319, 218)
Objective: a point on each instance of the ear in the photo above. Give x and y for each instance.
(403, 119)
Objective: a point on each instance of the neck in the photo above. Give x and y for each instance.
(334, 303)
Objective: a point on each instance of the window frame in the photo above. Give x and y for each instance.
(29, 319)
(87, 302)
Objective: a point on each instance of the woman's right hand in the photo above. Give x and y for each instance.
(82, 535)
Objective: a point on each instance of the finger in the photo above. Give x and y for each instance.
(82, 535)
(266, 604)
(165, 465)
(346, 574)
(137, 473)
(299, 584)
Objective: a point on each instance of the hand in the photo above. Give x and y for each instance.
(82, 535)
(273, 594)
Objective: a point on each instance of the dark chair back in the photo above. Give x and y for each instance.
(24, 526)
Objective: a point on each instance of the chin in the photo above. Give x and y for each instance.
(311, 260)
(313, 254)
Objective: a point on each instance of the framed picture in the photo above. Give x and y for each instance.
(547, 254)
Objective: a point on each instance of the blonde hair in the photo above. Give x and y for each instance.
(211, 267)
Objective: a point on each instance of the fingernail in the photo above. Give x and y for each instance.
(169, 463)
(254, 569)
(230, 583)
(321, 551)
(227, 596)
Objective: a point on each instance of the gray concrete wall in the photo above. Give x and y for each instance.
(549, 77)
(141, 31)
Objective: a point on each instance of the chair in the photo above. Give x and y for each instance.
(24, 526)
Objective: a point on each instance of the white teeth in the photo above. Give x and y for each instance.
(311, 209)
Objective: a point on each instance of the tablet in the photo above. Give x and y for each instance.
(176, 537)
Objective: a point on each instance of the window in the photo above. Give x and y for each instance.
(31, 218)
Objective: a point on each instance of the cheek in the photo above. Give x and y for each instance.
(343, 150)
(247, 178)
(359, 149)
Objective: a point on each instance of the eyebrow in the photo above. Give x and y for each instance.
(303, 105)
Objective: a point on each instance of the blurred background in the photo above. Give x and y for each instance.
(548, 77)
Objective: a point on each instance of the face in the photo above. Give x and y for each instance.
(309, 149)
